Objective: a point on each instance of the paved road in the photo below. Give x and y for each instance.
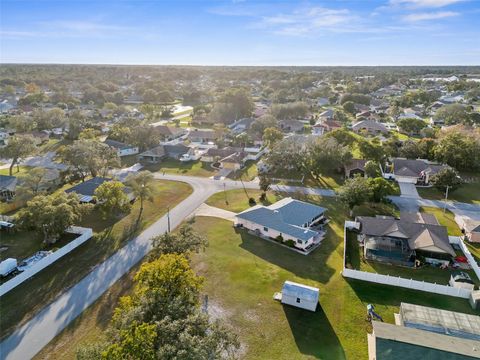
(29, 339)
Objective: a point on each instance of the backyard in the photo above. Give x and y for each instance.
(109, 237)
(241, 274)
(427, 273)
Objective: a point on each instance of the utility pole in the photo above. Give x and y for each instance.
(168, 218)
(446, 197)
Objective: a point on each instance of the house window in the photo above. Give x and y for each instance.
(265, 229)
(298, 300)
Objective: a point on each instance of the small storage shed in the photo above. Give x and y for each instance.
(299, 295)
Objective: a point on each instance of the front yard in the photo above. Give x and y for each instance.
(446, 219)
(109, 237)
(467, 193)
(176, 167)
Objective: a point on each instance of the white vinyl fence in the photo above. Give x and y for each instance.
(85, 234)
(402, 282)
(471, 260)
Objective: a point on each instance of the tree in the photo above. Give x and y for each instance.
(162, 319)
(324, 155)
(51, 215)
(262, 123)
(264, 183)
(87, 155)
(288, 154)
(411, 126)
(349, 107)
(459, 150)
(380, 189)
(446, 177)
(410, 150)
(33, 182)
(355, 191)
(371, 150)
(394, 111)
(142, 187)
(271, 136)
(452, 114)
(343, 136)
(240, 101)
(355, 98)
(112, 199)
(22, 123)
(18, 148)
(293, 110)
(372, 169)
(185, 241)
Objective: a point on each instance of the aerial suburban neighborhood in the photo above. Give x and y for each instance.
(237, 212)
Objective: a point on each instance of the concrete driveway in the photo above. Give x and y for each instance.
(207, 210)
(408, 190)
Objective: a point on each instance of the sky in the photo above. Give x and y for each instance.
(241, 32)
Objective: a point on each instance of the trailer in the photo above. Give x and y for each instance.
(8, 266)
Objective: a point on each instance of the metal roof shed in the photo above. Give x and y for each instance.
(299, 295)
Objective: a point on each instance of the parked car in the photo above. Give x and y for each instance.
(8, 266)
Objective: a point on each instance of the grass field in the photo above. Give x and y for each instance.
(241, 274)
(45, 287)
(467, 193)
(193, 168)
(446, 219)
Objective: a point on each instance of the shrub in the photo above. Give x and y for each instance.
(279, 238)
(290, 243)
(252, 201)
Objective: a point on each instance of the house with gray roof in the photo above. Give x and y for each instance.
(287, 219)
(370, 126)
(417, 171)
(402, 241)
(86, 189)
(161, 152)
(122, 148)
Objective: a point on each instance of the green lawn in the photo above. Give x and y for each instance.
(22, 170)
(446, 219)
(467, 193)
(243, 272)
(237, 200)
(22, 244)
(248, 173)
(193, 168)
(45, 287)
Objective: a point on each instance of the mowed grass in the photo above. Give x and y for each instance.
(109, 237)
(242, 272)
(90, 326)
(467, 193)
(176, 167)
(446, 219)
(237, 200)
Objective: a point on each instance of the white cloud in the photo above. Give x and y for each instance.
(309, 20)
(425, 3)
(429, 16)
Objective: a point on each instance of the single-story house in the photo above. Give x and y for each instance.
(154, 155)
(287, 219)
(122, 148)
(355, 167)
(417, 171)
(8, 185)
(400, 241)
(169, 133)
(234, 161)
(241, 125)
(327, 114)
(370, 126)
(204, 136)
(325, 126)
(214, 154)
(299, 295)
(86, 190)
(291, 125)
(161, 152)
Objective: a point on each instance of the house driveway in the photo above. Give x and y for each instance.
(408, 190)
(207, 210)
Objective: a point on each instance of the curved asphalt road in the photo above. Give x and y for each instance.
(30, 338)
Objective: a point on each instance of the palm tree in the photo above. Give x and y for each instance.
(142, 186)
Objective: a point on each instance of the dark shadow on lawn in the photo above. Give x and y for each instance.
(311, 266)
(313, 333)
(370, 293)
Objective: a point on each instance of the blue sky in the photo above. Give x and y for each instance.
(242, 32)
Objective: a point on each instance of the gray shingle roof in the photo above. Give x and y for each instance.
(413, 168)
(8, 182)
(88, 187)
(419, 235)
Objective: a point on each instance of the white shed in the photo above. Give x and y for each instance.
(299, 295)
